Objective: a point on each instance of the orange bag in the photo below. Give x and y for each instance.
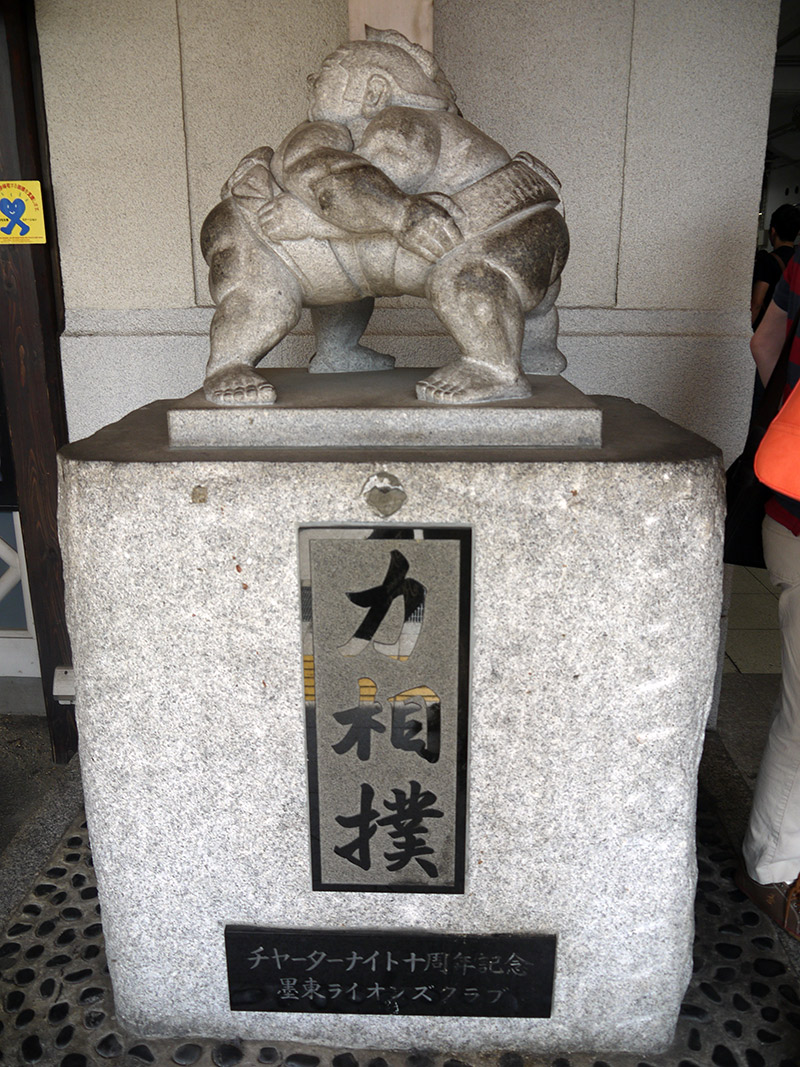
(777, 462)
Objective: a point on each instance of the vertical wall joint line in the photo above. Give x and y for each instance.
(181, 73)
(625, 153)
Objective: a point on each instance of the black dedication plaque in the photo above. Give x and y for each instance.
(386, 630)
(367, 973)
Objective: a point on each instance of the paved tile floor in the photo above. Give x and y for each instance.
(753, 643)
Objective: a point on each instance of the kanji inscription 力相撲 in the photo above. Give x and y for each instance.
(386, 643)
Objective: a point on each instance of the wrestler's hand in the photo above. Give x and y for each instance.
(288, 219)
(427, 228)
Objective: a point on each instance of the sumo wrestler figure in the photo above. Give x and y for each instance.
(385, 190)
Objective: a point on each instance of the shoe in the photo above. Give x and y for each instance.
(781, 902)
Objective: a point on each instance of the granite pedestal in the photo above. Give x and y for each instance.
(596, 595)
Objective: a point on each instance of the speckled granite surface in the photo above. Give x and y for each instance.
(597, 582)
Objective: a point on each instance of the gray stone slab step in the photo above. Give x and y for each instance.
(363, 409)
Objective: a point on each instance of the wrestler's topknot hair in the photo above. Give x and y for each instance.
(425, 59)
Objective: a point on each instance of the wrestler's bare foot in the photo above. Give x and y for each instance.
(238, 386)
(355, 358)
(467, 382)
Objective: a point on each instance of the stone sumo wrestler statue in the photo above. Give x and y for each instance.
(386, 190)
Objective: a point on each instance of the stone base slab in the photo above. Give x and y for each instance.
(359, 409)
(597, 586)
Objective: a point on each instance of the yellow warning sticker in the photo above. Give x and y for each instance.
(21, 214)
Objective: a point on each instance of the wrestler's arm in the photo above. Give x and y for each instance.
(316, 165)
(405, 144)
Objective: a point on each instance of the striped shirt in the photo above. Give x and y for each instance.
(784, 509)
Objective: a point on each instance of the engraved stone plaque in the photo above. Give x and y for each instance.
(386, 623)
(380, 973)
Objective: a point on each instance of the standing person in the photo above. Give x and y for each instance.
(771, 849)
(769, 266)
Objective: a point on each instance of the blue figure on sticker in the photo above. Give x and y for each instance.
(14, 210)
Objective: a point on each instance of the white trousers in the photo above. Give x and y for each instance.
(772, 842)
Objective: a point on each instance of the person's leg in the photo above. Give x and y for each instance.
(772, 843)
(540, 353)
(771, 846)
(481, 309)
(258, 301)
(338, 330)
(482, 292)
